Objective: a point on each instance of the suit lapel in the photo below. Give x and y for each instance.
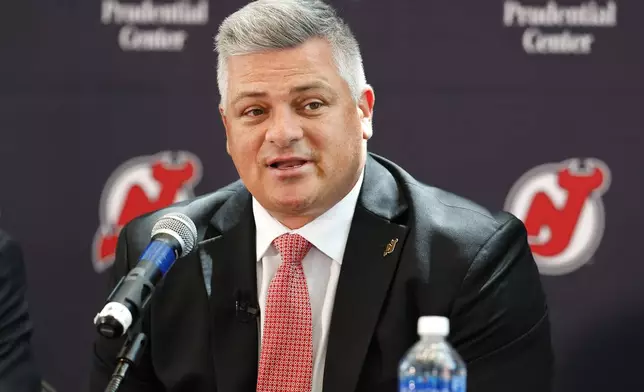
(233, 284)
(370, 260)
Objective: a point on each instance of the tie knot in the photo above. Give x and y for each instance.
(292, 247)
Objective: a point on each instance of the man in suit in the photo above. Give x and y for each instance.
(338, 249)
(18, 370)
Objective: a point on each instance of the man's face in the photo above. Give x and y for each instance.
(296, 136)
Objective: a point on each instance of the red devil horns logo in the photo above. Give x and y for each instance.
(141, 185)
(561, 206)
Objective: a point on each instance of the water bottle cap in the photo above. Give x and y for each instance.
(433, 325)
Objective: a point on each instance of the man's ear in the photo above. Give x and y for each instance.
(224, 120)
(365, 111)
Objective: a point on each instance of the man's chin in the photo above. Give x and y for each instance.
(292, 205)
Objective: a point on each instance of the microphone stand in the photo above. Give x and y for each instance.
(129, 356)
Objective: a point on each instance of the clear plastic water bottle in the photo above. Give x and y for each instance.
(432, 365)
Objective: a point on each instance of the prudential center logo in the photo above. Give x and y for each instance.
(142, 23)
(555, 29)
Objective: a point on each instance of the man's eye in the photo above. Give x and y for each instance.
(313, 105)
(254, 112)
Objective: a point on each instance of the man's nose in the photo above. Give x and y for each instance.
(284, 128)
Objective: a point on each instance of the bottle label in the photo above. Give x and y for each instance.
(458, 384)
(433, 384)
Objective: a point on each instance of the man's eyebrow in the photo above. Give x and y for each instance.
(248, 94)
(310, 86)
(296, 89)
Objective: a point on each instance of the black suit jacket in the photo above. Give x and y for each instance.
(451, 258)
(18, 370)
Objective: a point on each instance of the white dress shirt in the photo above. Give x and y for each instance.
(328, 233)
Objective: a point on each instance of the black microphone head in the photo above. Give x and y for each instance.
(180, 227)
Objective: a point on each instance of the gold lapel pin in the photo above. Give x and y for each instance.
(390, 246)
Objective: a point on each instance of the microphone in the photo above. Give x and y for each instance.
(173, 236)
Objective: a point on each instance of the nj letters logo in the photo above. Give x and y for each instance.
(562, 208)
(139, 186)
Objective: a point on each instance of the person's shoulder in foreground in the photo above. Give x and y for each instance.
(18, 371)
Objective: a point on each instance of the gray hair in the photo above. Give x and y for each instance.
(277, 24)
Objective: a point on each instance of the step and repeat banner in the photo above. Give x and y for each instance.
(108, 109)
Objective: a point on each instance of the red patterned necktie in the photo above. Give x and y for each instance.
(286, 359)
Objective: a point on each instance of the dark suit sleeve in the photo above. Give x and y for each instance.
(500, 319)
(140, 378)
(18, 370)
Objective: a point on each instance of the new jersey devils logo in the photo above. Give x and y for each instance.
(561, 206)
(139, 186)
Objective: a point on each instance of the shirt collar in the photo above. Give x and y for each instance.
(328, 232)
